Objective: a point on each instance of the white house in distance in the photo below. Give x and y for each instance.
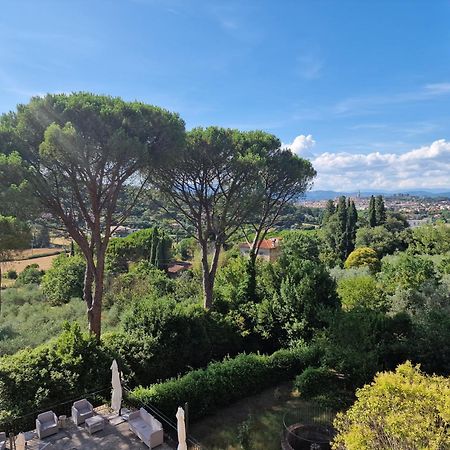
(269, 249)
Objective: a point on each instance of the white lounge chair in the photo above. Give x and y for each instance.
(146, 428)
(46, 424)
(2, 441)
(81, 410)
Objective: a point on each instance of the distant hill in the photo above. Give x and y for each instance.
(327, 195)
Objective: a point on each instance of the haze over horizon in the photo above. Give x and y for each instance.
(361, 89)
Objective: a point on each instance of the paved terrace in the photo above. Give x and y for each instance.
(114, 436)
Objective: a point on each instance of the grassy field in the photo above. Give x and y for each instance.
(264, 414)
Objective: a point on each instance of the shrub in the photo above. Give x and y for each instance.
(64, 280)
(312, 381)
(185, 334)
(404, 410)
(11, 274)
(407, 272)
(30, 275)
(363, 257)
(225, 382)
(324, 386)
(360, 291)
(65, 368)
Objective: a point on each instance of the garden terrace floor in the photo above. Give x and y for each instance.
(112, 437)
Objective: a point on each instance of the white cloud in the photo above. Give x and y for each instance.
(424, 167)
(301, 145)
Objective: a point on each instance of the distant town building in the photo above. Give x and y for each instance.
(269, 249)
(122, 231)
(414, 223)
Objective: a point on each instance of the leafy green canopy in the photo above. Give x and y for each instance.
(402, 410)
(80, 151)
(14, 235)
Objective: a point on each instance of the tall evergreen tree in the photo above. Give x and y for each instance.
(330, 209)
(372, 212)
(342, 236)
(352, 219)
(380, 210)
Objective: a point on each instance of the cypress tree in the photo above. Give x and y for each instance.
(342, 236)
(330, 209)
(352, 219)
(380, 210)
(372, 213)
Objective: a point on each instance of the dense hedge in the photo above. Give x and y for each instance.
(222, 383)
(74, 363)
(59, 370)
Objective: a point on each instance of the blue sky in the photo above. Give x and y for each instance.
(362, 88)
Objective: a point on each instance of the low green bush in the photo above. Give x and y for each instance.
(225, 382)
(324, 386)
(11, 274)
(30, 275)
(65, 368)
(64, 280)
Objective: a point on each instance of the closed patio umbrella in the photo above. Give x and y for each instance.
(181, 428)
(116, 397)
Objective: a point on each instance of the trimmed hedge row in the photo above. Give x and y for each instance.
(225, 382)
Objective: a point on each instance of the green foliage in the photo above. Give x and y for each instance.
(16, 194)
(380, 239)
(380, 210)
(405, 409)
(360, 342)
(30, 275)
(407, 272)
(430, 239)
(186, 334)
(322, 385)
(363, 257)
(312, 380)
(65, 368)
(372, 214)
(361, 291)
(14, 235)
(11, 274)
(339, 231)
(27, 320)
(64, 280)
(186, 248)
(225, 382)
(150, 245)
(444, 266)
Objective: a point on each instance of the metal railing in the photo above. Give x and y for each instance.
(27, 421)
(169, 425)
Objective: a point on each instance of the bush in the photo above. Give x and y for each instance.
(65, 368)
(225, 382)
(184, 334)
(30, 275)
(313, 380)
(360, 292)
(11, 274)
(363, 257)
(401, 410)
(64, 280)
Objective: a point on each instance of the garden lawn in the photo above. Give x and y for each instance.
(263, 412)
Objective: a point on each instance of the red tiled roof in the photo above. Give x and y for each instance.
(266, 243)
(179, 266)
